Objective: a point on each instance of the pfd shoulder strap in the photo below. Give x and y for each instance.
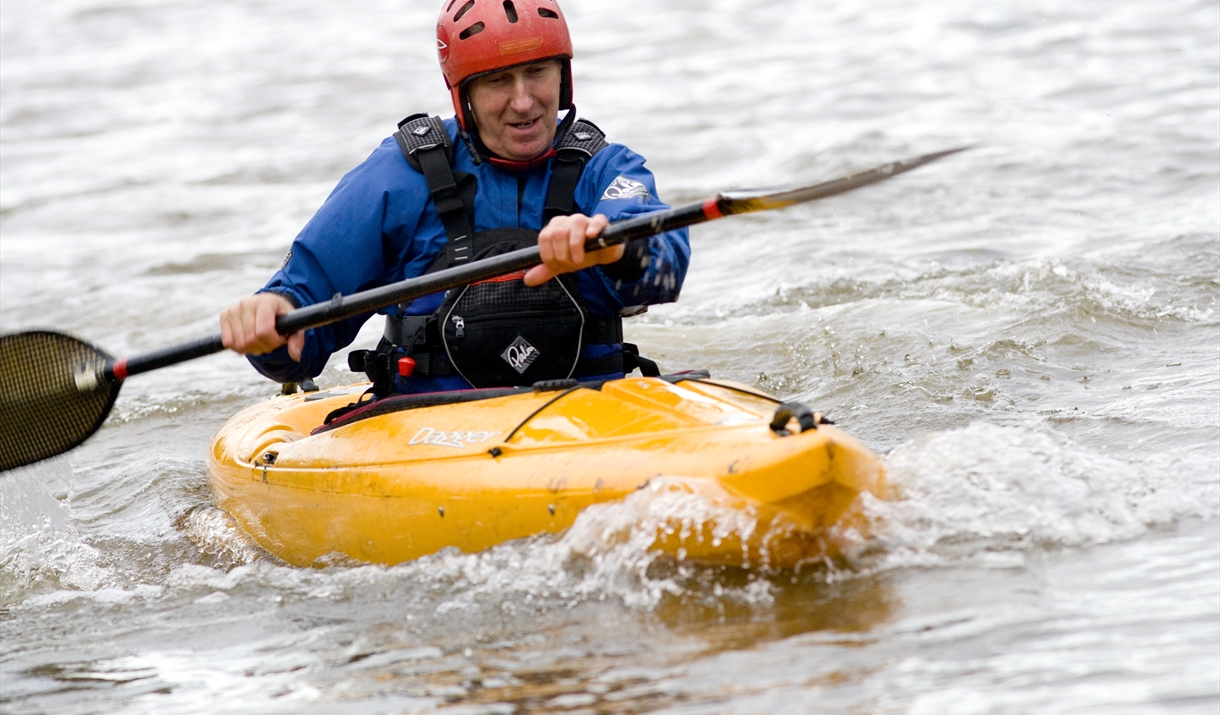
(425, 145)
(576, 147)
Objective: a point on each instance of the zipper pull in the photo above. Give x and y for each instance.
(460, 325)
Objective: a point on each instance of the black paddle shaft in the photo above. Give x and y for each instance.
(640, 227)
(341, 307)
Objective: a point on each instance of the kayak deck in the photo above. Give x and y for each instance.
(398, 485)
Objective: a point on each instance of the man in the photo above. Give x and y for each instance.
(440, 194)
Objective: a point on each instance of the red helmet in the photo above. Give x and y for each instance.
(474, 37)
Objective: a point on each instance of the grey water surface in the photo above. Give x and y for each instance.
(1028, 332)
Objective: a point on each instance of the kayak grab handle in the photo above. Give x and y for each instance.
(807, 418)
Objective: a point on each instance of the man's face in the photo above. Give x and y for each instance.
(515, 109)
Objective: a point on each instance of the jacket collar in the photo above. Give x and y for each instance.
(529, 164)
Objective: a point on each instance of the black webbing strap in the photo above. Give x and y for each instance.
(602, 331)
(632, 359)
(448, 200)
(407, 331)
(574, 150)
(560, 194)
(433, 364)
(425, 145)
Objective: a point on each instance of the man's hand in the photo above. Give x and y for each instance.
(562, 244)
(248, 326)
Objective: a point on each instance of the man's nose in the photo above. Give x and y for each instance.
(521, 99)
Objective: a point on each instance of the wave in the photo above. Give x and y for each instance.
(982, 494)
(1137, 285)
(985, 494)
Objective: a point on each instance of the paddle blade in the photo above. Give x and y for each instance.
(739, 202)
(731, 203)
(54, 394)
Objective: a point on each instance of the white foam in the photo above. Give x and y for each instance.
(218, 536)
(39, 548)
(992, 495)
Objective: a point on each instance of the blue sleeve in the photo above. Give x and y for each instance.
(615, 183)
(361, 238)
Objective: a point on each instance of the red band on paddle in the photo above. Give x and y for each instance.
(120, 370)
(712, 210)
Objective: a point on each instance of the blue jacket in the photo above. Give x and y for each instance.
(380, 226)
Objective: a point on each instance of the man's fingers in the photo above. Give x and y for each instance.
(596, 225)
(538, 275)
(592, 228)
(266, 322)
(296, 344)
(248, 327)
(249, 322)
(226, 333)
(544, 247)
(561, 246)
(576, 240)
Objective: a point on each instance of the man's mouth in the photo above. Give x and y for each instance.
(523, 125)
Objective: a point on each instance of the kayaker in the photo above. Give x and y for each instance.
(504, 167)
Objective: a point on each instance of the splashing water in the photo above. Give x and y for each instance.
(40, 550)
(995, 494)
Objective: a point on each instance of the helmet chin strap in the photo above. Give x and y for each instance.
(514, 165)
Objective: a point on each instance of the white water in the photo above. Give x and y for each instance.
(1028, 330)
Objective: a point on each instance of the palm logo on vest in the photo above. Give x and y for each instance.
(520, 354)
(624, 188)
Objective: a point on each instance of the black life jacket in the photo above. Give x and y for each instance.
(498, 332)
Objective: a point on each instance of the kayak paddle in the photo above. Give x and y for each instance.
(56, 391)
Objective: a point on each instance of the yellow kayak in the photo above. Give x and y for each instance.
(406, 476)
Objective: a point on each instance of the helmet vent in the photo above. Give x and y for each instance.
(510, 10)
(450, 5)
(472, 30)
(465, 9)
(547, 13)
